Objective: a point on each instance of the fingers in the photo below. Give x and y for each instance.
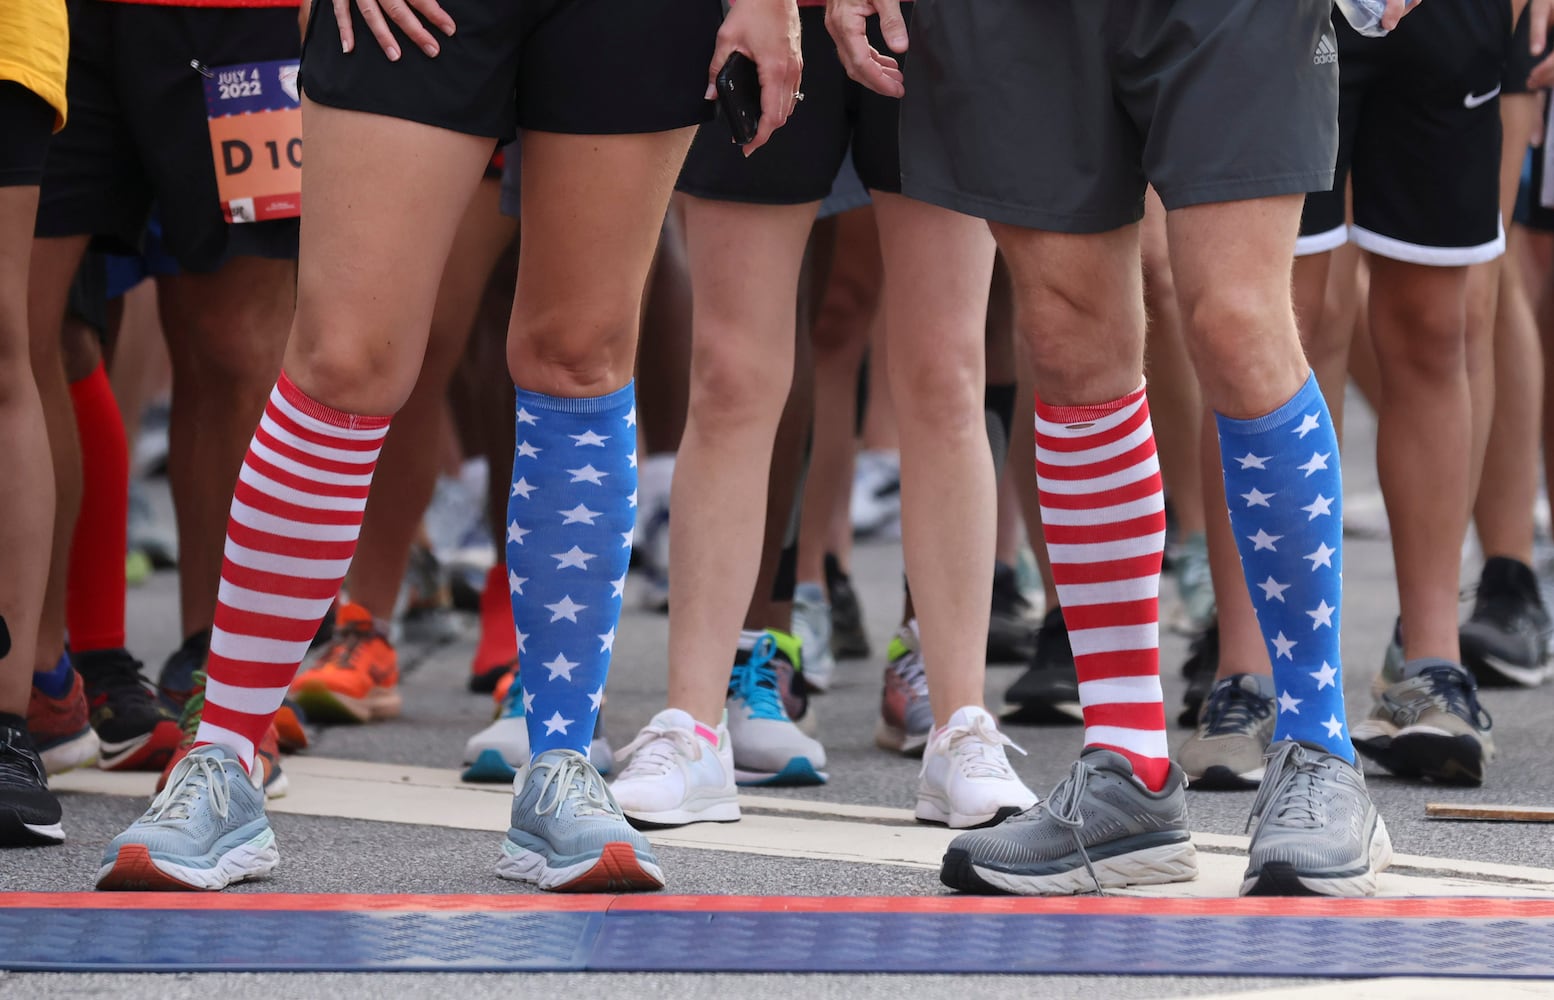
(892, 24)
(404, 16)
(347, 29)
(1542, 74)
(724, 48)
(1394, 13)
(776, 101)
(378, 25)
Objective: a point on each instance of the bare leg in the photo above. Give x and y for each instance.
(1174, 404)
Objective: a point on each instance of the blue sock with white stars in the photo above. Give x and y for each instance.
(1285, 493)
(569, 523)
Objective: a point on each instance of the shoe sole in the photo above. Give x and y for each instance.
(717, 811)
(149, 752)
(933, 814)
(491, 765)
(1427, 754)
(325, 706)
(134, 869)
(1043, 713)
(290, 734)
(888, 737)
(80, 750)
(1492, 671)
(618, 868)
(1220, 778)
(1283, 879)
(16, 832)
(798, 771)
(1155, 865)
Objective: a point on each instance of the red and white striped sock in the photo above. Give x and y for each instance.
(296, 514)
(1103, 515)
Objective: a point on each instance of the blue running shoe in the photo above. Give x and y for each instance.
(206, 829)
(569, 835)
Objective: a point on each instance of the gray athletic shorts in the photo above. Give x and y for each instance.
(1054, 114)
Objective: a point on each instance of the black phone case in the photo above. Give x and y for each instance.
(739, 97)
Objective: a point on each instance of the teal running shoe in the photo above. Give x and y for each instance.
(569, 835)
(206, 829)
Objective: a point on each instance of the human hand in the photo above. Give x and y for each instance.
(404, 14)
(847, 20)
(766, 31)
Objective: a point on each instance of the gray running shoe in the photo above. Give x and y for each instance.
(1100, 829)
(205, 830)
(1427, 723)
(1226, 750)
(906, 717)
(812, 626)
(1315, 831)
(568, 834)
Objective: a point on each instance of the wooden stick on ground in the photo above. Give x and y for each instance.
(1497, 814)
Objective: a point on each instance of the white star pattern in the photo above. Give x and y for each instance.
(632, 458)
(578, 515)
(1323, 556)
(522, 488)
(626, 539)
(560, 667)
(596, 698)
(1287, 704)
(1318, 462)
(566, 609)
(1257, 498)
(1273, 590)
(1282, 647)
(1320, 507)
(607, 641)
(632, 500)
(515, 533)
(557, 724)
(1308, 424)
(589, 439)
(1334, 728)
(528, 702)
(525, 417)
(587, 474)
(631, 416)
(618, 587)
(527, 450)
(573, 558)
(1322, 615)
(1326, 677)
(1251, 461)
(515, 582)
(1262, 540)
(523, 639)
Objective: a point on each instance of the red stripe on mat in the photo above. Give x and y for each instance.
(1454, 907)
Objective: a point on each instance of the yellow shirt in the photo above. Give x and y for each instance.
(34, 46)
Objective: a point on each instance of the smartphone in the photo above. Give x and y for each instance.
(739, 97)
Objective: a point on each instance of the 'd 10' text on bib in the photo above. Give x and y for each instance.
(256, 139)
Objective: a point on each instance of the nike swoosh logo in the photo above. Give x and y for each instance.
(1475, 100)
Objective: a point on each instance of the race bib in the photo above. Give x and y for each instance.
(256, 139)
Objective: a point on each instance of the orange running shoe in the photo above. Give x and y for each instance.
(61, 728)
(356, 678)
(504, 684)
(267, 755)
(498, 650)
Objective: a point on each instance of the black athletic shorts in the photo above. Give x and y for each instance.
(1054, 114)
(1519, 61)
(801, 162)
(581, 67)
(26, 122)
(1419, 138)
(138, 130)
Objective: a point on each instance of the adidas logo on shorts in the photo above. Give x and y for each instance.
(1327, 52)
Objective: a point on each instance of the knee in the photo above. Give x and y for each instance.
(350, 373)
(1419, 342)
(735, 385)
(581, 351)
(937, 394)
(1083, 351)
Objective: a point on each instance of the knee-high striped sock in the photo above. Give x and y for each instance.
(1285, 491)
(1103, 515)
(569, 526)
(296, 514)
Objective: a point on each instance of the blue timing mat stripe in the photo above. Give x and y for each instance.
(729, 940)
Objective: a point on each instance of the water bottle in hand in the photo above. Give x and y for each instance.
(1365, 15)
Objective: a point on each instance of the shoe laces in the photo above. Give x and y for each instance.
(1292, 797)
(755, 681)
(657, 749)
(192, 777)
(1452, 690)
(977, 749)
(572, 780)
(909, 667)
(347, 648)
(1065, 806)
(17, 765)
(116, 672)
(1232, 709)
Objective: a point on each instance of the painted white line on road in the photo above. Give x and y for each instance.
(1400, 989)
(393, 793)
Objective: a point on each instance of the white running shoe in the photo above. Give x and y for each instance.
(966, 780)
(812, 626)
(675, 777)
(497, 753)
(768, 748)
